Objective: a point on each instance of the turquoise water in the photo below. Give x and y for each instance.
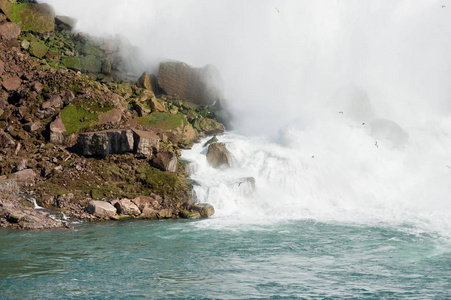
(192, 259)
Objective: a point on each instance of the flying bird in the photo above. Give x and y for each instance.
(277, 10)
(443, 6)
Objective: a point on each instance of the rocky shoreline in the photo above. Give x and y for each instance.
(82, 134)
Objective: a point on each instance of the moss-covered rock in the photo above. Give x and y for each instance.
(89, 64)
(32, 17)
(38, 49)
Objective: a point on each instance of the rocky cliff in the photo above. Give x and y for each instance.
(83, 135)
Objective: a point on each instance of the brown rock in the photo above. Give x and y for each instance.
(37, 87)
(32, 126)
(218, 156)
(145, 142)
(12, 83)
(144, 82)
(165, 161)
(127, 207)
(199, 85)
(21, 166)
(149, 213)
(5, 140)
(164, 214)
(33, 17)
(2, 67)
(9, 31)
(25, 176)
(68, 97)
(155, 105)
(113, 116)
(57, 130)
(2, 17)
(102, 209)
(54, 102)
(206, 210)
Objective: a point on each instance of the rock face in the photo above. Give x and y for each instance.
(102, 209)
(218, 156)
(206, 210)
(199, 85)
(165, 161)
(105, 142)
(9, 31)
(145, 143)
(30, 16)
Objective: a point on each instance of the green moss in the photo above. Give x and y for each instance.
(90, 50)
(29, 16)
(75, 118)
(165, 121)
(88, 64)
(163, 183)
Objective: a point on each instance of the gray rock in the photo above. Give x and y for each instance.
(27, 176)
(218, 156)
(105, 142)
(54, 102)
(199, 85)
(66, 21)
(144, 82)
(57, 130)
(102, 209)
(145, 142)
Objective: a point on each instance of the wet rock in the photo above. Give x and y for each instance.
(12, 83)
(5, 140)
(127, 207)
(32, 126)
(198, 85)
(218, 156)
(244, 186)
(164, 214)
(165, 161)
(105, 142)
(30, 16)
(21, 217)
(206, 210)
(145, 142)
(189, 214)
(102, 209)
(208, 126)
(57, 130)
(9, 31)
(27, 176)
(211, 141)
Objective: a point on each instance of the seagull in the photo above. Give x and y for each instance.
(443, 6)
(340, 112)
(277, 10)
(376, 145)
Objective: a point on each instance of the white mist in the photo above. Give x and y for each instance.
(343, 107)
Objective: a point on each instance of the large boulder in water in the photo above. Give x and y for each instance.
(218, 156)
(127, 207)
(38, 18)
(199, 85)
(206, 210)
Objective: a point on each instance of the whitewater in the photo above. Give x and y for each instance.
(342, 118)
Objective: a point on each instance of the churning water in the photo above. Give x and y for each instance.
(342, 166)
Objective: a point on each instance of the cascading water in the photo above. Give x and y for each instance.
(342, 108)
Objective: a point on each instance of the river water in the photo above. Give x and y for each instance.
(192, 259)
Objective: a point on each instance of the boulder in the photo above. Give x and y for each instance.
(127, 207)
(54, 102)
(145, 142)
(5, 140)
(206, 210)
(141, 109)
(144, 82)
(12, 84)
(113, 116)
(102, 209)
(155, 105)
(25, 44)
(145, 201)
(211, 141)
(165, 161)
(57, 130)
(244, 186)
(66, 22)
(90, 63)
(9, 31)
(32, 126)
(149, 213)
(208, 126)
(27, 176)
(199, 85)
(105, 142)
(30, 16)
(164, 214)
(189, 214)
(38, 49)
(218, 156)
